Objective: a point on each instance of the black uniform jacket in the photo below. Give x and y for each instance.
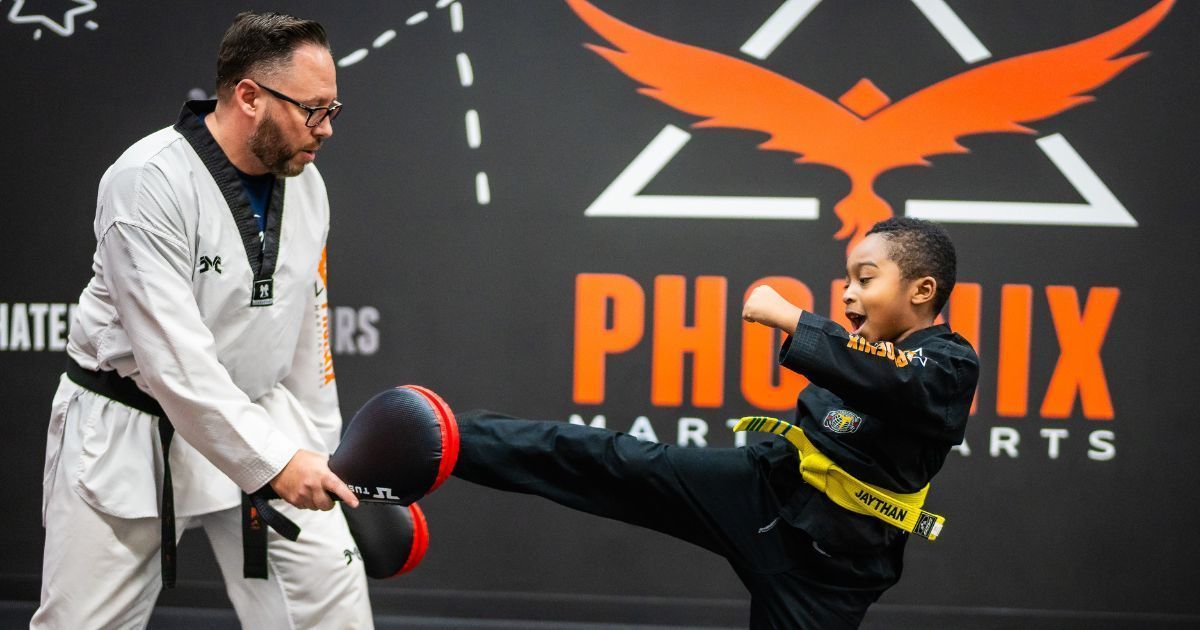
(886, 413)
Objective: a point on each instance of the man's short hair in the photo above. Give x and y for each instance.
(921, 248)
(259, 44)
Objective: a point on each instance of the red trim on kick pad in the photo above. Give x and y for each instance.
(449, 428)
(420, 540)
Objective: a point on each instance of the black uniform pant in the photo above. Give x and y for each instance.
(724, 500)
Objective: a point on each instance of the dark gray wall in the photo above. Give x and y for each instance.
(477, 301)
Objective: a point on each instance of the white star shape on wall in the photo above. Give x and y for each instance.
(66, 29)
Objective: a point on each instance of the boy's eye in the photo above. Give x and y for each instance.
(864, 280)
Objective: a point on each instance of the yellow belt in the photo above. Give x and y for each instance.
(901, 510)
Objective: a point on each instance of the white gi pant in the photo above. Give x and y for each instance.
(104, 571)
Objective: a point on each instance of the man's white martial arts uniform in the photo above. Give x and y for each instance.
(229, 334)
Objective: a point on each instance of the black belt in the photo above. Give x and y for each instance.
(255, 509)
(123, 390)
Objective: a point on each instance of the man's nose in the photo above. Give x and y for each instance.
(324, 130)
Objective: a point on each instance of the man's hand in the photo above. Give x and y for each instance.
(766, 306)
(306, 482)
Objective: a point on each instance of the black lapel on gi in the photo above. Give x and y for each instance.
(261, 254)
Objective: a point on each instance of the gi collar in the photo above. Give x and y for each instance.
(262, 254)
(915, 339)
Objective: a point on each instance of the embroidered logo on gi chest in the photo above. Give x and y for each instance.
(213, 263)
(262, 292)
(842, 421)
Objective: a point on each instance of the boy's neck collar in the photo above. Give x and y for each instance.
(917, 336)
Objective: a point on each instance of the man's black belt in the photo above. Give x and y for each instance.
(124, 390)
(111, 385)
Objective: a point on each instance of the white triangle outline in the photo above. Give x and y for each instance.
(623, 198)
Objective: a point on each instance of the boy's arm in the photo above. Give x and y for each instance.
(931, 391)
(765, 306)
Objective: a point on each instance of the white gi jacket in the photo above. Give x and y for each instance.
(245, 380)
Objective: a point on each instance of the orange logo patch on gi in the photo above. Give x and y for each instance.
(863, 133)
(842, 421)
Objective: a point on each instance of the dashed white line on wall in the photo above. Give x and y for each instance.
(466, 78)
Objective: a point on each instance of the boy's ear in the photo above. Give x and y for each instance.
(922, 290)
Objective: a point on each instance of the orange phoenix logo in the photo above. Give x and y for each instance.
(864, 134)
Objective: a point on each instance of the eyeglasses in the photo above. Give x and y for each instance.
(316, 115)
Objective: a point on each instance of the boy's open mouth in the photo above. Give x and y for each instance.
(856, 321)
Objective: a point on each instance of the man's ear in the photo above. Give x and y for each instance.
(244, 95)
(922, 290)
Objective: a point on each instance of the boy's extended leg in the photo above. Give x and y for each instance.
(718, 498)
(714, 498)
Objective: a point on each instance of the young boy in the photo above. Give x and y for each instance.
(885, 404)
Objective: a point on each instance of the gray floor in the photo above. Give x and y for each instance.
(16, 614)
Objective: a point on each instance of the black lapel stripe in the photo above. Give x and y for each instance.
(261, 254)
(271, 242)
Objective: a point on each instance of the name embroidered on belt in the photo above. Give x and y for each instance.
(894, 508)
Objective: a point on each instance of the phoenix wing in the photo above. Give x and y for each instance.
(723, 90)
(999, 96)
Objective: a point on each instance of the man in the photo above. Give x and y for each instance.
(207, 308)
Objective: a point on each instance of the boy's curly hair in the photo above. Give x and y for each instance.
(921, 248)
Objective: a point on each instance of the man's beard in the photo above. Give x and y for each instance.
(272, 150)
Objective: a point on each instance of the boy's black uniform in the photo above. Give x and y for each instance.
(886, 414)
